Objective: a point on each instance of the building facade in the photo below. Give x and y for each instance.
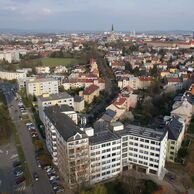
(42, 86)
(83, 156)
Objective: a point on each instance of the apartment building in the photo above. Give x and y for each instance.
(42, 86)
(105, 156)
(176, 131)
(10, 56)
(47, 100)
(90, 92)
(68, 146)
(11, 75)
(84, 156)
(144, 149)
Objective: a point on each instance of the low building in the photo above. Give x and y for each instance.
(90, 92)
(11, 75)
(176, 130)
(42, 86)
(79, 103)
(60, 69)
(42, 70)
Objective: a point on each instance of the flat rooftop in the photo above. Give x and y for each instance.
(153, 134)
(42, 80)
(58, 96)
(103, 137)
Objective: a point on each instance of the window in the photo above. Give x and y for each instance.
(172, 147)
(124, 155)
(153, 142)
(125, 138)
(125, 144)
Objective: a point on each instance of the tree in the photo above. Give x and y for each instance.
(45, 159)
(154, 71)
(39, 145)
(61, 88)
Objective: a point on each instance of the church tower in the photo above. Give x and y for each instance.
(112, 29)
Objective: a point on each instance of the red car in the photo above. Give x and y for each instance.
(20, 180)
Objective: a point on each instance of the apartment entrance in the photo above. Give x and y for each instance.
(139, 168)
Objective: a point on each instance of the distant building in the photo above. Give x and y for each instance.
(42, 70)
(10, 56)
(11, 75)
(42, 86)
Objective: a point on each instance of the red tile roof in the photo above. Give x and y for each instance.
(90, 89)
(174, 80)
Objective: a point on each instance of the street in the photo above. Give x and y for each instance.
(42, 186)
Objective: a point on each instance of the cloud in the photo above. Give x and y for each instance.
(47, 11)
(9, 8)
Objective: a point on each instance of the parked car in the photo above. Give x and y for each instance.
(53, 177)
(59, 189)
(16, 164)
(35, 176)
(20, 180)
(34, 134)
(38, 162)
(18, 171)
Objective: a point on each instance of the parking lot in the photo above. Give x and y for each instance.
(8, 154)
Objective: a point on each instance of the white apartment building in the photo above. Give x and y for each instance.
(42, 86)
(129, 81)
(85, 156)
(10, 56)
(11, 75)
(47, 100)
(105, 156)
(144, 149)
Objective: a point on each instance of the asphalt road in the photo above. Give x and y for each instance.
(42, 186)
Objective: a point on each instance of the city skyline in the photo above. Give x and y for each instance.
(96, 15)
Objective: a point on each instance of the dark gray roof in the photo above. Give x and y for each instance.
(174, 128)
(65, 126)
(103, 137)
(58, 96)
(78, 98)
(154, 134)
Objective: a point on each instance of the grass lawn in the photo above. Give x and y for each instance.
(53, 62)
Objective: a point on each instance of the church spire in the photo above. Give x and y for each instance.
(112, 28)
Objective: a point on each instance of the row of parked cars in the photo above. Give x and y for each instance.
(22, 107)
(18, 172)
(54, 179)
(31, 128)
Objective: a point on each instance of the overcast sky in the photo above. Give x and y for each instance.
(97, 14)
